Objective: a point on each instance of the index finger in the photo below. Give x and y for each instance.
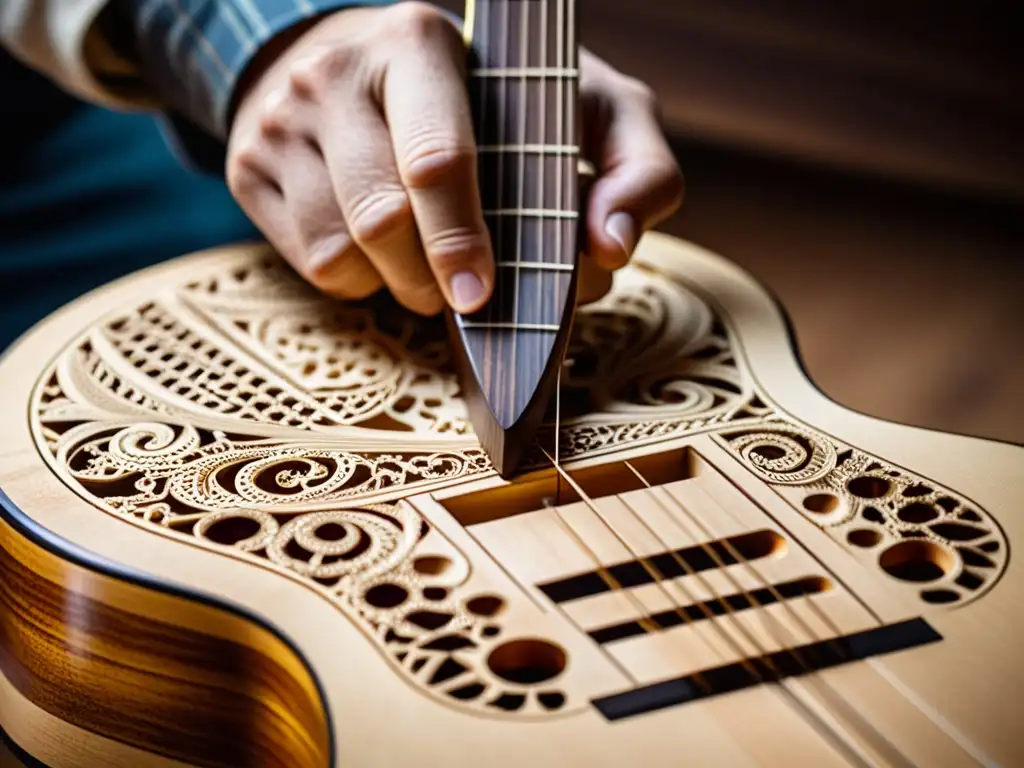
(427, 109)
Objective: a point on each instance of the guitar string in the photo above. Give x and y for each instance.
(524, 100)
(563, 50)
(542, 138)
(653, 572)
(568, 60)
(658, 578)
(814, 719)
(788, 606)
(646, 621)
(565, 60)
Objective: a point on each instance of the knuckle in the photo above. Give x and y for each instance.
(306, 77)
(456, 249)
(245, 169)
(334, 266)
(433, 160)
(423, 298)
(310, 77)
(641, 92)
(670, 183)
(379, 214)
(417, 20)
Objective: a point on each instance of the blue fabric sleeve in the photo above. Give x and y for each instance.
(193, 53)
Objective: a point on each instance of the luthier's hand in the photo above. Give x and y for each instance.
(352, 150)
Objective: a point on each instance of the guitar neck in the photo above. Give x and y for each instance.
(524, 87)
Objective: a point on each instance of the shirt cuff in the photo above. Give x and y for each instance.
(193, 52)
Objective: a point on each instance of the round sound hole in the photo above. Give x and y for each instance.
(821, 503)
(527, 661)
(917, 560)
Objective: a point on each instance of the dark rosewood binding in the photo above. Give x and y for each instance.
(523, 87)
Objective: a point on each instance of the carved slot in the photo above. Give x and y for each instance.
(544, 488)
(750, 546)
(728, 604)
(789, 662)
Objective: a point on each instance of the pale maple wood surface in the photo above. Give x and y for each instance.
(907, 304)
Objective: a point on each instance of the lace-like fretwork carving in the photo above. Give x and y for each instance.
(244, 410)
(914, 529)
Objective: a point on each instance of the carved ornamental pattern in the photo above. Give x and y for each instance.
(245, 411)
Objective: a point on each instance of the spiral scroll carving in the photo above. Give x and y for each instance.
(242, 411)
(916, 530)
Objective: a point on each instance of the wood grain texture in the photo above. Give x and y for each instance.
(445, 626)
(71, 645)
(524, 94)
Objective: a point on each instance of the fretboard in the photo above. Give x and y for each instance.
(523, 86)
(524, 90)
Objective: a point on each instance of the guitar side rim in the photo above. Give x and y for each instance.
(101, 572)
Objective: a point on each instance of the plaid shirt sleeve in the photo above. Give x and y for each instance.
(193, 52)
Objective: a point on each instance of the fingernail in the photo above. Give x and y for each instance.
(622, 230)
(467, 291)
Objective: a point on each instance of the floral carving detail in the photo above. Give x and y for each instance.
(243, 410)
(877, 509)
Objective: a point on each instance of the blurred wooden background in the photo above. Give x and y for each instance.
(863, 160)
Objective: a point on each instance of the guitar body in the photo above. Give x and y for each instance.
(245, 525)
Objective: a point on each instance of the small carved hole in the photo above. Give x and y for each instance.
(448, 669)
(435, 593)
(510, 702)
(432, 565)
(947, 503)
(527, 662)
(958, 531)
(296, 551)
(866, 487)
(918, 512)
(969, 580)
(821, 503)
(330, 532)
(485, 605)
(917, 490)
(864, 537)
(917, 560)
(429, 620)
(232, 530)
(976, 559)
(468, 692)
(939, 596)
(551, 700)
(872, 515)
(386, 596)
(769, 452)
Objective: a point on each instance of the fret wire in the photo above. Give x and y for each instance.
(531, 149)
(541, 233)
(512, 326)
(536, 213)
(544, 266)
(512, 73)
